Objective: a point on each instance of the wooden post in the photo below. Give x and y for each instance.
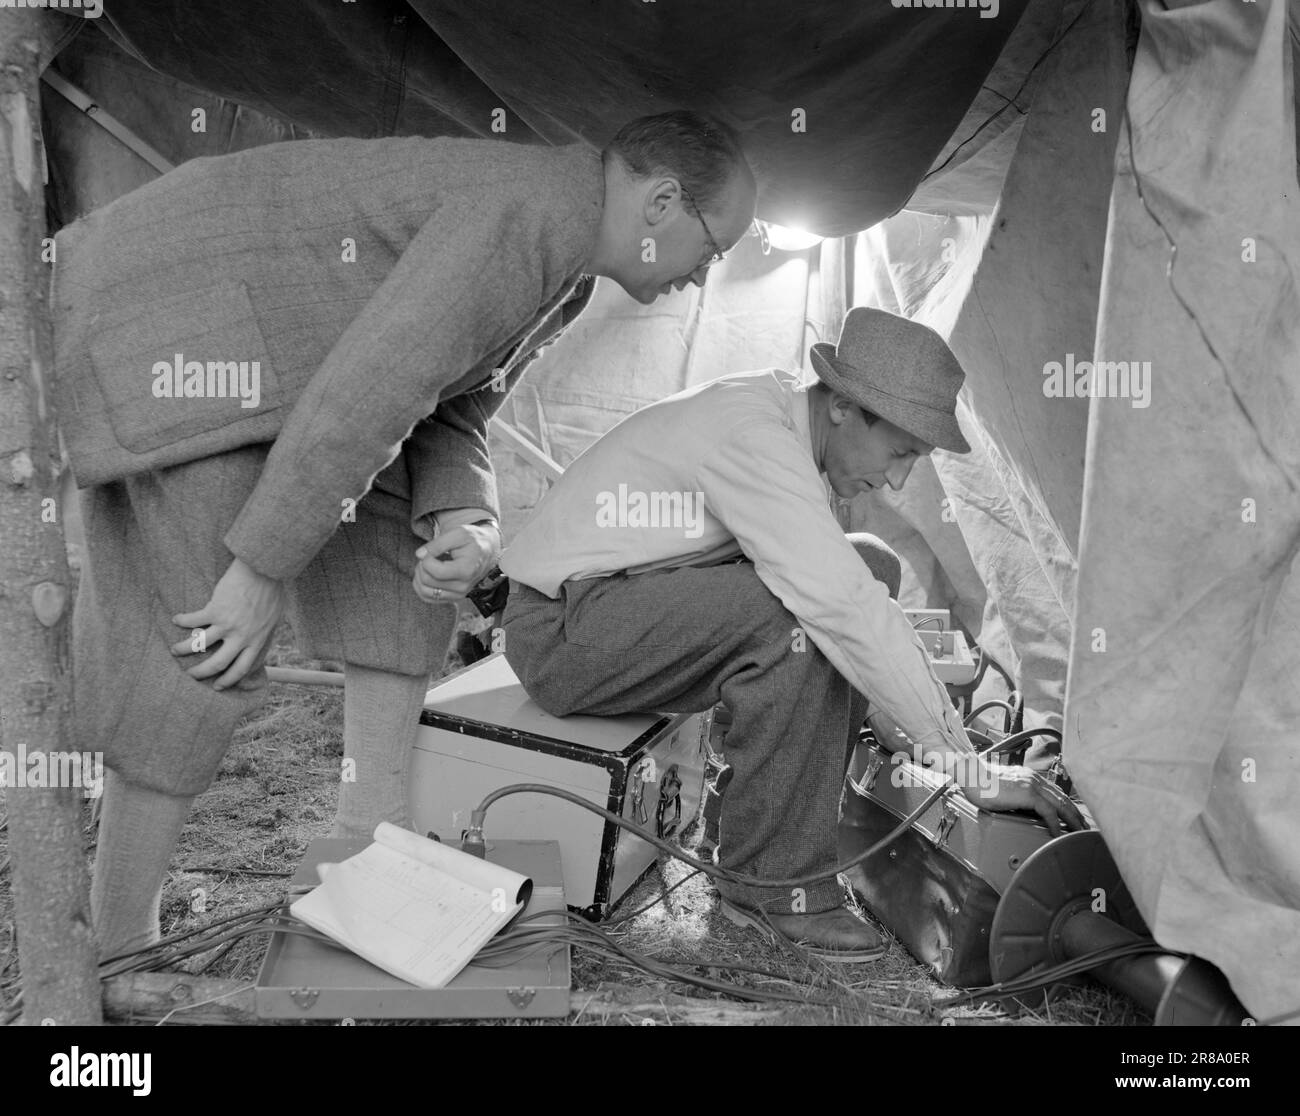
(56, 947)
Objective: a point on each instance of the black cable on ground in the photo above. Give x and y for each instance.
(712, 870)
(650, 906)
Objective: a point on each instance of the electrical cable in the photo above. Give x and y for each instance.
(474, 835)
(590, 937)
(650, 906)
(992, 703)
(158, 954)
(1076, 966)
(736, 967)
(1011, 743)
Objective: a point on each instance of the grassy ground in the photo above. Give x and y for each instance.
(276, 792)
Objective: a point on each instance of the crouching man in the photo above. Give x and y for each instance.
(690, 557)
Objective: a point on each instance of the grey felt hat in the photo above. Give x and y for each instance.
(897, 369)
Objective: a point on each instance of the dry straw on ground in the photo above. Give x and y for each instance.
(276, 793)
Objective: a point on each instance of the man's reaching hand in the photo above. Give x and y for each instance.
(1020, 788)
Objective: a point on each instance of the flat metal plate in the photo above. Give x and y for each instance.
(489, 693)
(306, 979)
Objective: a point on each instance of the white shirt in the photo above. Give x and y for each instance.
(720, 469)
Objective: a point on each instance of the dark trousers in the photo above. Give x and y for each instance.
(682, 640)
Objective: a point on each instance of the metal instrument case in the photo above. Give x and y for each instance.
(480, 731)
(302, 978)
(937, 885)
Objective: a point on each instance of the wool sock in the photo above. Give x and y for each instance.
(381, 714)
(138, 831)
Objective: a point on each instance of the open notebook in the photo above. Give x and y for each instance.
(416, 908)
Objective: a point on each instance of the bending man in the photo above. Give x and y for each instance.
(276, 373)
(690, 557)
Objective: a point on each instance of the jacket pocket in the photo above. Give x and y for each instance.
(183, 366)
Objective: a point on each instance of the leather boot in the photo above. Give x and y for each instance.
(836, 935)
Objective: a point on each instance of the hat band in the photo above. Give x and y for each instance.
(874, 386)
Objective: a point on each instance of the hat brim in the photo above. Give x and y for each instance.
(933, 426)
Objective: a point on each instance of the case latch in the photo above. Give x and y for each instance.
(947, 819)
(670, 796)
(642, 773)
(521, 997)
(304, 997)
(875, 762)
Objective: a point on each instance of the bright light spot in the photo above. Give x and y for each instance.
(790, 238)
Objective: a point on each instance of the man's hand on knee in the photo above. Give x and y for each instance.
(236, 625)
(456, 561)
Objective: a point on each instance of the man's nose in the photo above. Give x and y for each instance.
(898, 473)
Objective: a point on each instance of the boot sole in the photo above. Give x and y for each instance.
(738, 917)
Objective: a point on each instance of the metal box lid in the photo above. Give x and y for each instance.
(302, 978)
(488, 693)
(991, 845)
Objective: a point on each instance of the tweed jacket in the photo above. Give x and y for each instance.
(381, 289)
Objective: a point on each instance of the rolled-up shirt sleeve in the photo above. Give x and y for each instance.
(780, 516)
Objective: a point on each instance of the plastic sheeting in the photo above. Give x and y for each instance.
(1183, 711)
(1013, 295)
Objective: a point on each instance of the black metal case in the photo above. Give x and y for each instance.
(937, 885)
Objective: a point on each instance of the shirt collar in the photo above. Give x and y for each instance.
(800, 404)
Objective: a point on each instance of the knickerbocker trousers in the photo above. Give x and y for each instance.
(154, 549)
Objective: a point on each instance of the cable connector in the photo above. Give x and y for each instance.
(471, 841)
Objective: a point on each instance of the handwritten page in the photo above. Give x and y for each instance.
(416, 908)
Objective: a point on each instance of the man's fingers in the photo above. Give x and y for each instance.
(1070, 814)
(453, 581)
(199, 619)
(440, 594)
(447, 591)
(1057, 811)
(440, 579)
(462, 566)
(222, 659)
(435, 590)
(243, 664)
(201, 643)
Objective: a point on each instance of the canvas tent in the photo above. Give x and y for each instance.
(1047, 187)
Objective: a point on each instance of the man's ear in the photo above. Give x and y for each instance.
(659, 197)
(840, 406)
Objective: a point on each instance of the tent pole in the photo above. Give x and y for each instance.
(114, 127)
(525, 447)
(56, 945)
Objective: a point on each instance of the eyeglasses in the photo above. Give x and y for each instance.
(717, 255)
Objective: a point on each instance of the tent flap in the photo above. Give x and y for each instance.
(844, 107)
(1184, 699)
